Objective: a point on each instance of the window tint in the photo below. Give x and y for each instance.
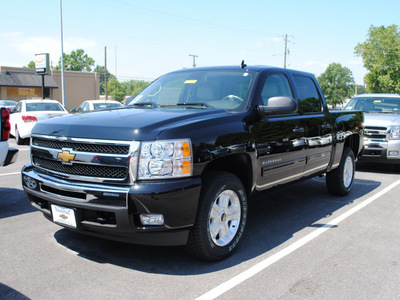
(275, 85)
(309, 100)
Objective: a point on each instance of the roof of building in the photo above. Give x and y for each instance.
(22, 79)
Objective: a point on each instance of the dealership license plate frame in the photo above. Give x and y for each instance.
(63, 215)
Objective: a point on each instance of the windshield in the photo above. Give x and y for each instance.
(106, 105)
(221, 89)
(375, 104)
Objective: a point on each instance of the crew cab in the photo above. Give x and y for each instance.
(7, 155)
(381, 127)
(179, 164)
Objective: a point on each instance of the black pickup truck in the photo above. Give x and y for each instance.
(178, 165)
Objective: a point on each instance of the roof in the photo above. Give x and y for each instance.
(24, 79)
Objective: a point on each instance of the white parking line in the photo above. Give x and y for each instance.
(8, 174)
(231, 283)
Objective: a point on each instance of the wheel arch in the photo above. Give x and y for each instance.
(238, 164)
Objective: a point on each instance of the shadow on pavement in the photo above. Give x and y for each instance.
(13, 202)
(273, 218)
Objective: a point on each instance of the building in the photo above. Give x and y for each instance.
(23, 83)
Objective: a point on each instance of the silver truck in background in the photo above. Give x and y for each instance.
(381, 126)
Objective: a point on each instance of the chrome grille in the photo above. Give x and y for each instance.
(81, 169)
(79, 146)
(375, 132)
(85, 159)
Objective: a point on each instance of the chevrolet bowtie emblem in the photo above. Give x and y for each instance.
(66, 156)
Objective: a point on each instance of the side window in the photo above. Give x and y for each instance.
(309, 100)
(17, 108)
(275, 85)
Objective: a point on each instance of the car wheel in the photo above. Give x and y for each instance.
(18, 139)
(340, 180)
(221, 217)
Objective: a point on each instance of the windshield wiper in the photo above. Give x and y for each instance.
(201, 104)
(141, 104)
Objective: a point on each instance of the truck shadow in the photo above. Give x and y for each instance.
(273, 219)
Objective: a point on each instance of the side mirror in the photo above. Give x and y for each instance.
(278, 105)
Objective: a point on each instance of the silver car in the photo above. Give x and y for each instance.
(381, 126)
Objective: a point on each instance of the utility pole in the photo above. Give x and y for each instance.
(105, 71)
(194, 59)
(62, 58)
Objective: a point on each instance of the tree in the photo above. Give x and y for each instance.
(381, 57)
(100, 70)
(134, 87)
(337, 84)
(116, 89)
(31, 65)
(77, 61)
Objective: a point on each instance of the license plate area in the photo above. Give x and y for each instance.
(63, 215)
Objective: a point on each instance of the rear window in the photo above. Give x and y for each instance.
(43, 106)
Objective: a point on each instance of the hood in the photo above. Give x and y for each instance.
(124, 124)
(381, 119)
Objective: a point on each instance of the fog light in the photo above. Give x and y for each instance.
(393, 153)
(152, 219)
(30, 182)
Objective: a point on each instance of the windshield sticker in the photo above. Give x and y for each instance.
(190, 81)
(377, 101)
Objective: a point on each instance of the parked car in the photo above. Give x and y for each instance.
(90, 105)
(7, 155)
(381, 126)
(8, 104)
(27, 113)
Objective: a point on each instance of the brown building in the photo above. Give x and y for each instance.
(23, 83)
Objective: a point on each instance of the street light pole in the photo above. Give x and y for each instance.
(62, 58)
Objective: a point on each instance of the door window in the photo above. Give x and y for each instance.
(309, 99)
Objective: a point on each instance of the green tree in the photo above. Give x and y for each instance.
(134, 87)
(77, 61)
(116, 90)
(337, 83)
(31, 65)
(100, 70)
(381, 57)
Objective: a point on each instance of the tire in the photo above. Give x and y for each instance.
(221, 217)
(340, 180)
(18, 139)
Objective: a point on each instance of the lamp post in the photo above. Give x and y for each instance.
(62, 58)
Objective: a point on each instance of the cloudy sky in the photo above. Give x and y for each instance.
(145, 39)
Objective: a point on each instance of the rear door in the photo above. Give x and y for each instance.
(316, 122)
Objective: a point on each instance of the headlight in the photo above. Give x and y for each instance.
(395, 133)
(165, 159)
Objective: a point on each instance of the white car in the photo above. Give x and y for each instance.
(90, 105)
(27, 113)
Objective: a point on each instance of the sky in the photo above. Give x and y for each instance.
(145, 39)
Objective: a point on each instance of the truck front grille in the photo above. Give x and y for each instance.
(81, 169)
(375, 132)
(85, 159)
(79, 146)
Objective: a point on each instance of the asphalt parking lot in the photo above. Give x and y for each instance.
(299, 242)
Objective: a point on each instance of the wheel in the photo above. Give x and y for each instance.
(18, 139)
(221, 217)
(340, 180)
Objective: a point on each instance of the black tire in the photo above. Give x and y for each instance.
(340, 180)
(227, 218)
(18, 139)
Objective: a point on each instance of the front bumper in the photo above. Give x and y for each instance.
(113, 211)
(381, 151)
(11, 157)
